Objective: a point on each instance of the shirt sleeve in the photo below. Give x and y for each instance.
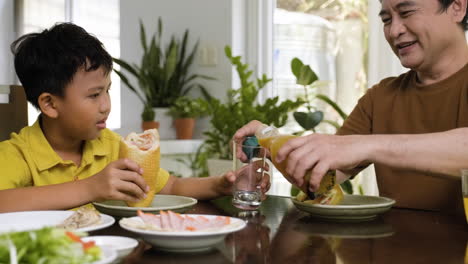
(14, 169)
(162, 179)
(360, 120)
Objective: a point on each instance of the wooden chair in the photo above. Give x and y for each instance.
(14, 114)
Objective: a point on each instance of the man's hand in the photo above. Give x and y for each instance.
(120, 180)
(321, 153)
(240, 135)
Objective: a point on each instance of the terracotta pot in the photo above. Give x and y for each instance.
(145, 125)
(184, 127)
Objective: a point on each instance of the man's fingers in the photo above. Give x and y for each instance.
(247, 130)
(318, 173)
(298, 158)
(289, 146)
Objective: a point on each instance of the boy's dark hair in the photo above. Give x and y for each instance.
(444, 4)
(46, 62)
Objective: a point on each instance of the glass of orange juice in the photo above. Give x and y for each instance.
(464, 181)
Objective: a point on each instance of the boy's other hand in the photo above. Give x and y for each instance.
(120, 180)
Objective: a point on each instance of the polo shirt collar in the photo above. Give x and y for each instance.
(45, 157)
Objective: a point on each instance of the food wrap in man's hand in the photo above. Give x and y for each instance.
(143, 148)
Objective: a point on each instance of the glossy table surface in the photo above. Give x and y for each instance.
(280, 233)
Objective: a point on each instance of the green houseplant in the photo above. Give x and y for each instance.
(241, 107)
(163, 74)
(184, 111)
(305, 76)
(185, 107)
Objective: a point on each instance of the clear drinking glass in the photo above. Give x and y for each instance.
(247, 194)
(464, 181)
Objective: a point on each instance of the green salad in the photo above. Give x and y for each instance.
(48, 245)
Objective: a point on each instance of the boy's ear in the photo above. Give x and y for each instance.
(48, 105)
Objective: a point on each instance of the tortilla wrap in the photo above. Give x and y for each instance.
(143, 148)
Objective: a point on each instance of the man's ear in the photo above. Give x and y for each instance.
(48, 105)
(459, 10)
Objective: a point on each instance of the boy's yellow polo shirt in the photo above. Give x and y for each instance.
(27, 159)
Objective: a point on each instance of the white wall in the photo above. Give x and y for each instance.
(7, 73)
(208, 20)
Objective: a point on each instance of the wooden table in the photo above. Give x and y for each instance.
(280, 233)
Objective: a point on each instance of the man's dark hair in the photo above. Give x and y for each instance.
(444, 5)
(46, 62)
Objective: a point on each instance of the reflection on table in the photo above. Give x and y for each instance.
(280, 233)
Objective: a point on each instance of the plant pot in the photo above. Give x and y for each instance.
(184, 127)
(145, 125)
(166, 130)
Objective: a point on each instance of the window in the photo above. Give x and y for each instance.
(37, 15)
(331, 37)
(337, 38)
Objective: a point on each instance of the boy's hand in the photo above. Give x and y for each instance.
(120, 180)
(226, 183)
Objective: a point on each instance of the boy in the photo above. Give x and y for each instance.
(68, 158)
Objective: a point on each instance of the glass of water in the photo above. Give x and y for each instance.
(247, 193)
(464, 182)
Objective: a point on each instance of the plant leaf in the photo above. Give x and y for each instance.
(306, 76)
(347, 187)
(126, 66)
(296, 65)
(143, 36)
(333, 123)
(335, 106)
(308, 120)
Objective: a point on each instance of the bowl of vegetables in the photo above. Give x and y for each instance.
(53, 246)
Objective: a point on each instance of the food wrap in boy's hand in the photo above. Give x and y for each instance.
(143, 149)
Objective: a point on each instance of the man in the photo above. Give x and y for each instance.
(414, 127)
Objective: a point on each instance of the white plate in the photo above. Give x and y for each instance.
(108, 256)
(186, 241)
(353, 208)
(29, 220)
(175, 203)
(122, 245)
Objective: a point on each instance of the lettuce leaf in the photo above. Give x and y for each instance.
(47, 245)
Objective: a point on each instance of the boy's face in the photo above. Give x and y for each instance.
(83, 110)
(418, 33)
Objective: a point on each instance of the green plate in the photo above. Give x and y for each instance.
(175, 203)
(353, 208)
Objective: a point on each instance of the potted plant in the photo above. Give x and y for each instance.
(184, 111)
(164, 74)
(241, 107)
(147, 118)
(306, 77)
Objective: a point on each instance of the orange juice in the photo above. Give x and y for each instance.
(329, 191)
(274, 144)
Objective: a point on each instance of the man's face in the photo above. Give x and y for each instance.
(86, 105)
(418, 33)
